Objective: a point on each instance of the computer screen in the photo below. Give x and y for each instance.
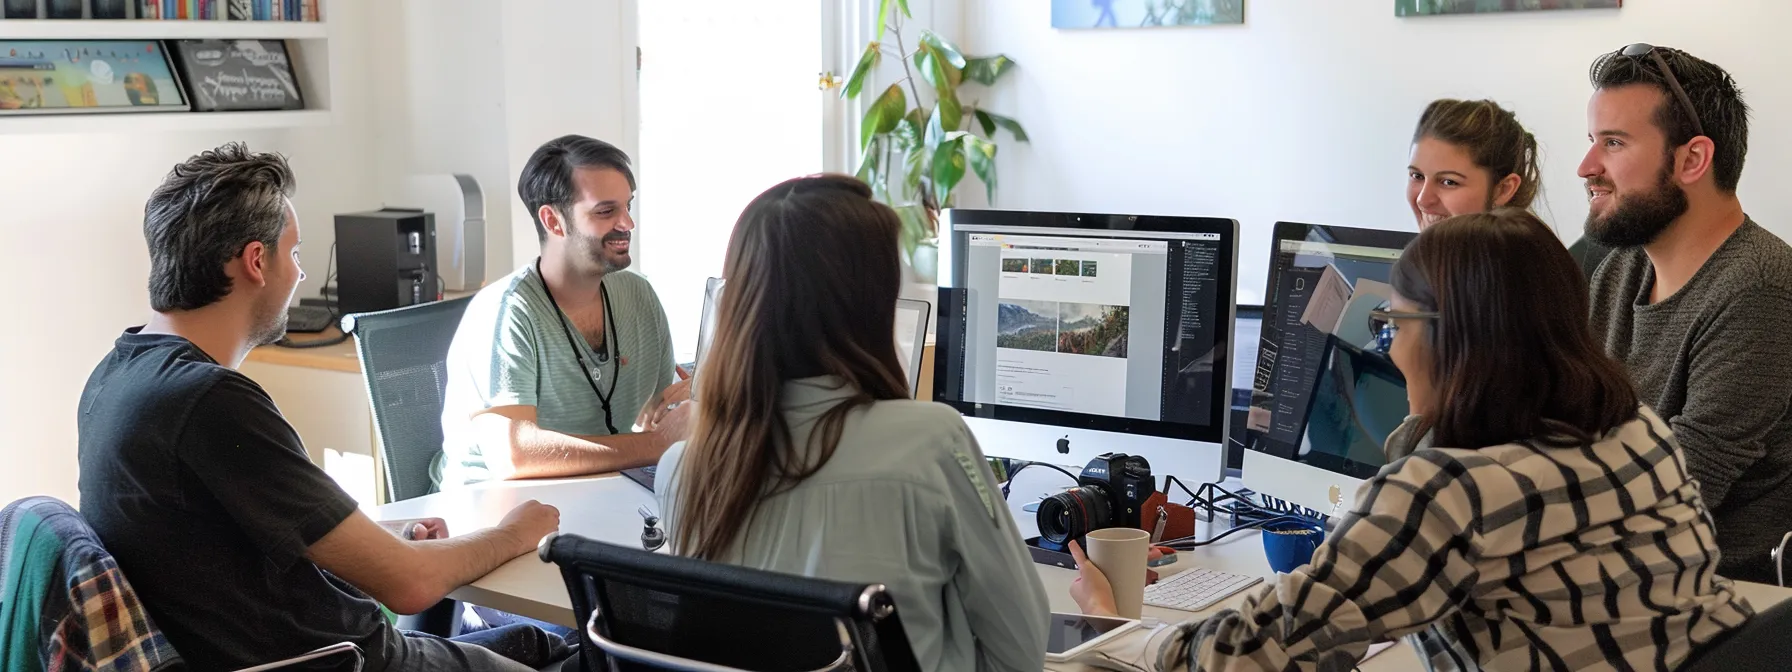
(1105, 322)
(1325, 393)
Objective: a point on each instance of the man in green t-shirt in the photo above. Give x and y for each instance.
(565, 366)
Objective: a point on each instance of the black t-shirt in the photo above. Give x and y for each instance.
(203, 493)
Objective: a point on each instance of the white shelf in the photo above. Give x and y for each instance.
(151, 29)
(154, 122)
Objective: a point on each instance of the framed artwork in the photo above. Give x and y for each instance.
(86, 76)
(1144, 13)
(1432, 7)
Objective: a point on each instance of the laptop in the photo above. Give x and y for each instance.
(911, 339)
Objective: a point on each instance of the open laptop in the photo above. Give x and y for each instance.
(911, 339)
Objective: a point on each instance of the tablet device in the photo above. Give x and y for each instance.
(1072, 635)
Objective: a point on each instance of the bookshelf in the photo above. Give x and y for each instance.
(144, 29)
(308, 43)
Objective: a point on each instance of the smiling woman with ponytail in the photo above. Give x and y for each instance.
(810, 457)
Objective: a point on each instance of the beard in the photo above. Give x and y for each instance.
(597, 251)
(270, 325)
(1638, 219)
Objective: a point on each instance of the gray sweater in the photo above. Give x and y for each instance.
(1713, 360)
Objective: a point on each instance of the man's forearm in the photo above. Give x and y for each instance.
(461, 560)
(540, 453)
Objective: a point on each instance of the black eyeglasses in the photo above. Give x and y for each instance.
(1640, 50)
(1381, 322)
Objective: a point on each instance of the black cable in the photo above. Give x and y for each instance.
(1023, 467)
(1188, 543)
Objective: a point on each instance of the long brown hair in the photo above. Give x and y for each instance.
(813, 276)
(1513, 354)
(1492, 137)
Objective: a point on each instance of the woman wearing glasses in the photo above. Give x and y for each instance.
(1471, 156)
(1552, 526)
(809, 457)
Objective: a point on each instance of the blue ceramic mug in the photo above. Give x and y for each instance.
(1290, 542)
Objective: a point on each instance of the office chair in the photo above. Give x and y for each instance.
(1760, 646)
(653, 611)
(97, 610)
(404, 354)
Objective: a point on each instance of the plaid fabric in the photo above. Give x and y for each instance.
(99, 623)
(109, 629)
(1529, 556)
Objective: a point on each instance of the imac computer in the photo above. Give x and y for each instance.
(1064, 336)
(1325, 394)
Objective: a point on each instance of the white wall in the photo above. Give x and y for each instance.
(73, 257)
(1305, 112)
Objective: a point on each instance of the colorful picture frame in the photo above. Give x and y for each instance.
(87, 76)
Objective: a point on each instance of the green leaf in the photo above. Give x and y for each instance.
(948, 169)
(945, 49)
(908, 132)
(867, 62)
(988, 124)
(868, 162)
(883, 115)
(903, 5)
(914, 227)
(883, 14)
(950, 113)
(914, 166)
(932, 66)
(1007, 124)
(982, 154)
(936, 131)
(986, 71)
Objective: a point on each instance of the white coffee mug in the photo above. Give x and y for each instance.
(1120, 552)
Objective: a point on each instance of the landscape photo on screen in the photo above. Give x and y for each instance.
(1092, 329)
(1027, 325)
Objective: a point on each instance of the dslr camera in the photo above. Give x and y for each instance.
(1111, 492)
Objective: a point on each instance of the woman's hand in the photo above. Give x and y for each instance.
(1091, 590)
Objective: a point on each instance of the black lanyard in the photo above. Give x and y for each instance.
(612, 348)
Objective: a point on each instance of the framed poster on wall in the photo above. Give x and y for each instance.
(238, 75)
(87, 76)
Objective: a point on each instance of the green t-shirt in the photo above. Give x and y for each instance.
(511, 350)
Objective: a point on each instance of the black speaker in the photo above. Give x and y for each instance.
(385, 259)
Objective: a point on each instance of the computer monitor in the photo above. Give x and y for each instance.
(911, 337)
(1247, 331)
(1089, 334)
(1325, 394)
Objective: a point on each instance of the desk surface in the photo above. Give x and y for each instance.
(603, 508)
(338, 357)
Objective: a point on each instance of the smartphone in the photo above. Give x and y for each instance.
(1072, 635)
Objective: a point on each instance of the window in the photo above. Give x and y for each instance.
(730, 106)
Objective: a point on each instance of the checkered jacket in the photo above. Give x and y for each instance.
(87, 616)
(1541, 555)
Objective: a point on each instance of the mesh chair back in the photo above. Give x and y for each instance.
(682, 610)
(404, 355)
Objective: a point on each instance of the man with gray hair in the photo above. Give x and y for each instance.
(242, 550)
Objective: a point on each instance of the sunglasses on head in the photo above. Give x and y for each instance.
(1639, 51)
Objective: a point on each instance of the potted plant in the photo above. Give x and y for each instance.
(917, 142)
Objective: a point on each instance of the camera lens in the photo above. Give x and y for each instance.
(1073, 513)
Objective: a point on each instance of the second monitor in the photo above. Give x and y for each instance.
(1325, 394)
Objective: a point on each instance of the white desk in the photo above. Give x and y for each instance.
(603, 508)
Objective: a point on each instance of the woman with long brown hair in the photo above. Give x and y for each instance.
(810, 457)
(1551, 525)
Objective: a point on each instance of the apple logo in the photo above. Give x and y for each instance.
(1064, 446)
(1336, 496)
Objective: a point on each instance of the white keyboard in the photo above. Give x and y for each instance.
(1196, 589)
